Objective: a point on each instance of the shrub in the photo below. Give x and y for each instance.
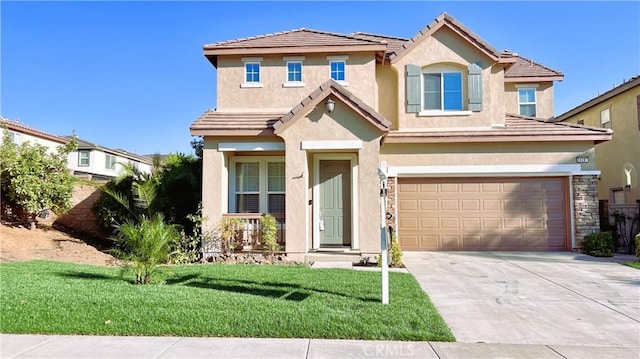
(145, 245)
(598, 244)
(396, 252)
(269, 234)
(229, 229)
(638, 245)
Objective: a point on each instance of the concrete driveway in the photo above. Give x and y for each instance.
(553, 298)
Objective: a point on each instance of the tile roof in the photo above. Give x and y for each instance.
(291, 39)
(525, 68)
(625, 86)
(213, 122)
(517, 129)
(331, 87)
(445, 19)
(20, 127)
(394, 44)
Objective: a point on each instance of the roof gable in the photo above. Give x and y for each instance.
(22, 128)
(445, 20)
(328, 88)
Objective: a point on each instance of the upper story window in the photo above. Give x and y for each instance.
(605, 118)
(527, 100)
(338, 69)
(294, 71)
(252, 74)
(110, 162)
(15, 137)
(83, 158)
(443, 89)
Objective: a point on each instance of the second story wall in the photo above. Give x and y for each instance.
(446, 52)
(274, 92)
(100, 163)
(518, 99)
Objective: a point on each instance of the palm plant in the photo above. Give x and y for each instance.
(145, 245)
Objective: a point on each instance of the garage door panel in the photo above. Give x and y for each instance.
(482, 213)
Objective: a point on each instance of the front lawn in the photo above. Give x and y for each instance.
(215, 300)
(635, 264)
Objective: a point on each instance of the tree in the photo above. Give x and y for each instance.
(34, 180)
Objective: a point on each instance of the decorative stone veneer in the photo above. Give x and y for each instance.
(585, 206)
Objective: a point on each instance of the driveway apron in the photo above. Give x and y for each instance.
(550, 298)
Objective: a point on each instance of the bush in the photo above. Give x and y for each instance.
(269, 234)
(598, 244)
(638, 245)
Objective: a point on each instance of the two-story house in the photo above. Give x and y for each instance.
(102, 163)
(618, 159)
(20, 132)
(305, 118)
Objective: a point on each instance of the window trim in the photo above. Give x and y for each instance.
(16, 137)
(339, 59)
(263, 192)
(251, 61)
(603, 123)
(294, 60)
(80, 164)
(442, 69)
(535, 99)
(106, 161)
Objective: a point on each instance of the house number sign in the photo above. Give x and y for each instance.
(582, 159)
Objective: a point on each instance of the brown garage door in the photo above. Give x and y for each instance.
(482, 213)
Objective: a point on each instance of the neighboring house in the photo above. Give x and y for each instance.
(19, 133)
(305, 118)
(618, 159)
(102, 163)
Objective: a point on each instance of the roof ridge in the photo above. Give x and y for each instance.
(254, 37)
(379, 35)
(278, 33)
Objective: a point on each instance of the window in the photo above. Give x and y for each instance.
(338, 69)
(110, 162)
(605, 118)
(294, 71)
(251, 72)
(83, 158)
(15, 137)
(580, 122)
(257, 185)
(442, 91)
(527, 101)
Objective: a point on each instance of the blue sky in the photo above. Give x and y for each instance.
(131, 75)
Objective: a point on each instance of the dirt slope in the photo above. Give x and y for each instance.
(18, 243)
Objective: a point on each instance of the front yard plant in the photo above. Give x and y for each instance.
(279, 301)
(598, 244)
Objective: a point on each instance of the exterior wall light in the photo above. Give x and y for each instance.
(330, 105)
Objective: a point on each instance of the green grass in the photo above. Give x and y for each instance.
(635, 264)
(216, 300)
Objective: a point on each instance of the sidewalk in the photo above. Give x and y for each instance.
(63, 346)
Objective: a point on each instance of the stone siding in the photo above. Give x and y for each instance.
(392, 184)
(80, 217)
(585, 205)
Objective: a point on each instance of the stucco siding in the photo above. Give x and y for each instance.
(359, 74)
(624, 148)
(470, 154)
(544, 98)
(447, 48)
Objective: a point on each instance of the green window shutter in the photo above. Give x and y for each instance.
(413, 88)
(475, 87)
